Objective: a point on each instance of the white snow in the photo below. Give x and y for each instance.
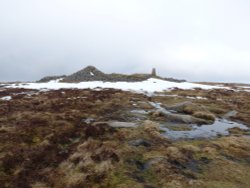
(150, 85)
(91, 73)
(199, 98)
(7, 98)
(74, 98)
(188, 97)
(55, 81)
(245, 87)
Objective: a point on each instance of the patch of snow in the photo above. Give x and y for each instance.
(118, 124)
(188, 97)
(74, 98)
(199, 98)
(159, 107)
(139, 112)
(244, 87)
(88, 120)
(55, 81)
(7, 98)
(44, 90)
(92, 74)
(150, 85)
(165, 95)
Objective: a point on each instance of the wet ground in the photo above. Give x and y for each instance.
(110, 138)
(219, 128)
(175, 131)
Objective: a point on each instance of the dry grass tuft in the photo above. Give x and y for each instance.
(204, 115)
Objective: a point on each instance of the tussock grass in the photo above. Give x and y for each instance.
(45, 142)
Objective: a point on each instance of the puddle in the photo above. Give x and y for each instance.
(220, 127)
(158, 106)
(176, 131)
(137, 115)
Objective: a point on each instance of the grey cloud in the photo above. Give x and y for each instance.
(195, 40)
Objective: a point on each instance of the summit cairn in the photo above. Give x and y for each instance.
(153, 74)
(91, 73)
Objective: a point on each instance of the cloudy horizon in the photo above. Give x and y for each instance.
(195, 40)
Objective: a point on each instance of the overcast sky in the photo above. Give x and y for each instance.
(198, 40)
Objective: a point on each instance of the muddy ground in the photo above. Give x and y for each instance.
(112, 138)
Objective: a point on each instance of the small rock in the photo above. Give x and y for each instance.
(119, 124)
(139, 142)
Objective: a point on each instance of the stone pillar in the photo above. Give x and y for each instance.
(153, 72)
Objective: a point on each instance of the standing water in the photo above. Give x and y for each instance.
(219, 127)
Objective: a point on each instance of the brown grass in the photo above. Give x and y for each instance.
(45, 142)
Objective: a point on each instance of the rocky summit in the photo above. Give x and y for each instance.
(49, 78)
(91, 73)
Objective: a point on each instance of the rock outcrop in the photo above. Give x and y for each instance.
(49, 78)
(90, 73)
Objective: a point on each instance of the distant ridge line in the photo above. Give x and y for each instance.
(91, 73)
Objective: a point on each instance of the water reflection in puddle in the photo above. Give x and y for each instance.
(191, 131)
(220, 127)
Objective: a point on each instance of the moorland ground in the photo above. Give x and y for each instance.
(68, 138)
